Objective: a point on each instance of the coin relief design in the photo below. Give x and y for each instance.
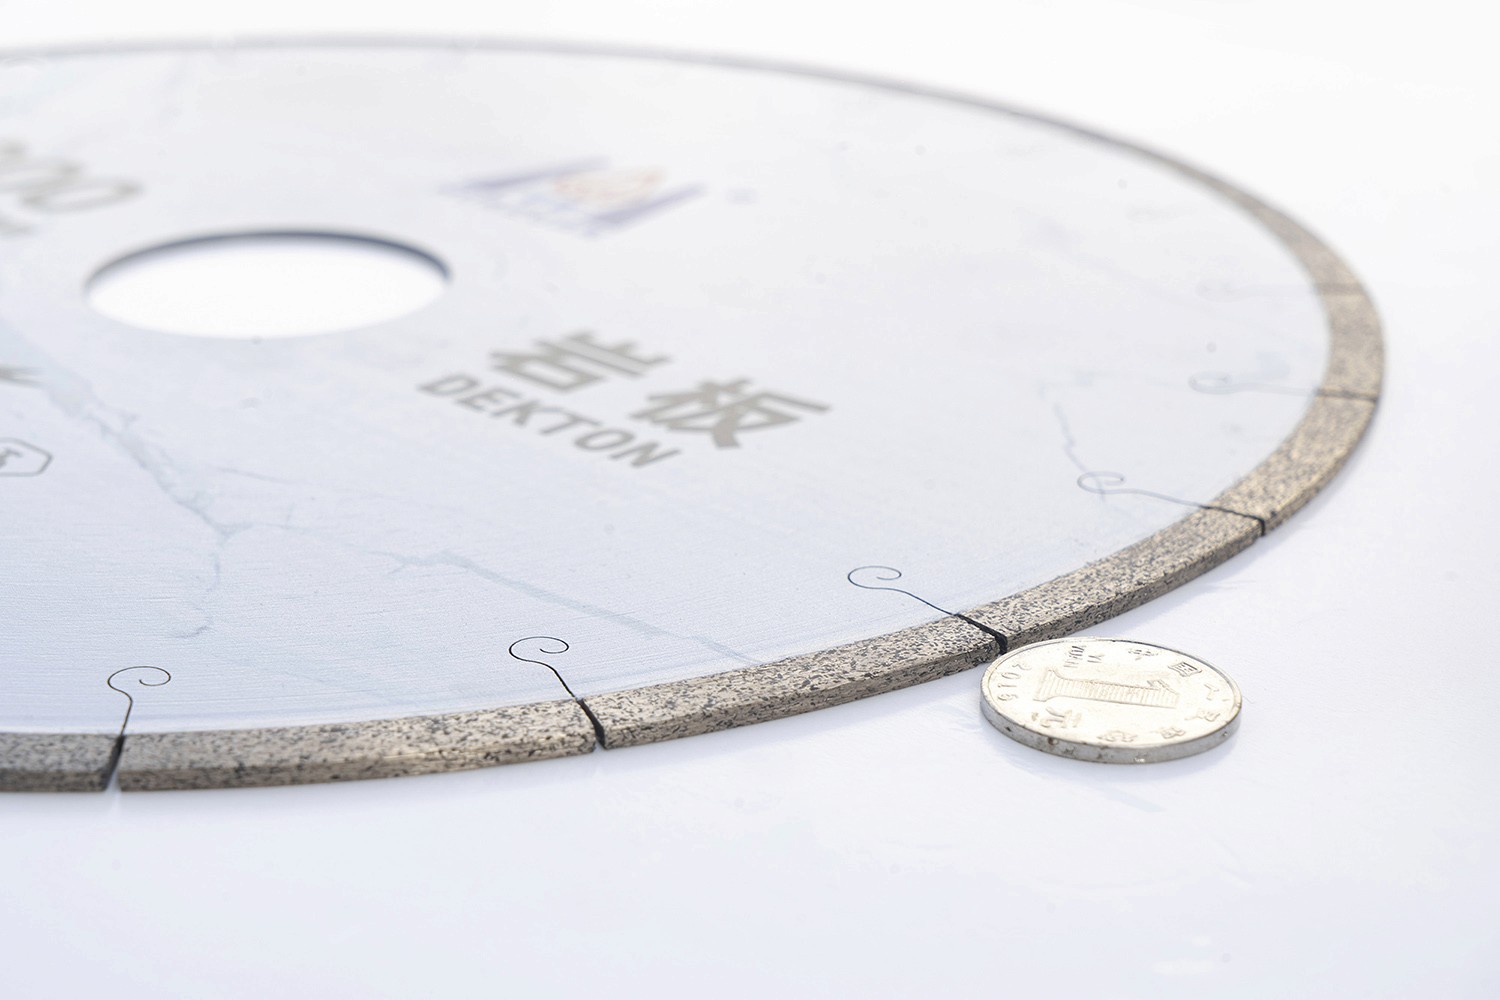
(1110, 700)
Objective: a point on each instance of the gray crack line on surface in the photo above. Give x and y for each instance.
(72, 396)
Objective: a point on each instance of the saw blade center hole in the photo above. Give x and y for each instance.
(258, 285)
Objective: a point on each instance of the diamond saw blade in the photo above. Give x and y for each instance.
(752, 390)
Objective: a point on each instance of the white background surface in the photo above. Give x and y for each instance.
(1341, 844)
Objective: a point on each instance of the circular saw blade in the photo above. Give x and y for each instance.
(753, 390)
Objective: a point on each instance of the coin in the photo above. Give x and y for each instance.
(1112, 700)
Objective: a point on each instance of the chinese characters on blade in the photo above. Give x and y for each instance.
(721, 409)
(536, 386)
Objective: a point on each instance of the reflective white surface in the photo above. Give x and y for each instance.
(1340, 844)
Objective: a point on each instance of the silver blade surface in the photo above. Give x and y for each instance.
(714, 337)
